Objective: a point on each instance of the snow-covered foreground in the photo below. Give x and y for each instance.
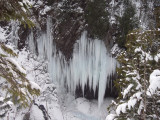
(82, 109)
(69, 108)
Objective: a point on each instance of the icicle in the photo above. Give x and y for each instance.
(31, 42)
(14, 32)
(90, 63)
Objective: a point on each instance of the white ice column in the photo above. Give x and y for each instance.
(91, 63)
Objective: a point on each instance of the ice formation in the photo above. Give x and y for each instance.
(90, 62)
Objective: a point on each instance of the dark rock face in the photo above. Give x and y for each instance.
(23, 33)
(68, 25)
(111, 91)
(3, 23)
(88, 93)
(26, 116)
(69, 21)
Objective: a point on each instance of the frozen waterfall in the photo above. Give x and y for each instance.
(90, 62)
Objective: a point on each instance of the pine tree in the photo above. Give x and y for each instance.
(15, 88)
(4, 107)
(127, 23)
(137, 63)
(157, 15)
(15, 10)
(96, 17)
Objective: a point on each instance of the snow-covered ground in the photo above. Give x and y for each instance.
(82, 109)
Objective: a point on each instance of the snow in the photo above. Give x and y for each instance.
(138, 95)
(127, 90)
(36, 114)
(112, 20)
(26, 1)
(45, 10)
(110, 117)
(47, 99)
(82, 109)
(9, 103)
(121, 108)
(154, 82)
(12, 60)
(35, 86)
(40, 2)
(2, 34)
(131, 103)
(147, 56)
(80, 10)
(115, 50)
(1, 98)
(141, 106)
(20, 3)
(156, 58)
(137, 50)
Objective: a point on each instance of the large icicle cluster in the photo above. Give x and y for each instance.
(90, 63)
